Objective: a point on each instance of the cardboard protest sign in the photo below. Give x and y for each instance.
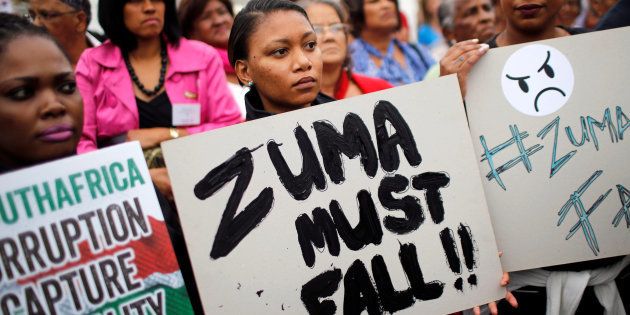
(548, 121)
(85, 235)
(372, 203)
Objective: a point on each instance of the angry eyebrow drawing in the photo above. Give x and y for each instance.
(527, 85)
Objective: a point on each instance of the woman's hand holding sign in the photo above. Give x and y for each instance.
(509, 297)
(460, 58)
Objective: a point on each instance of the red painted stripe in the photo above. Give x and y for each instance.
(152, 254)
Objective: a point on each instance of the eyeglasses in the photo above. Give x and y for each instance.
(332, 28)
(47, 16)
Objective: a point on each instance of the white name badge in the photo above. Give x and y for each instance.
(186, 114)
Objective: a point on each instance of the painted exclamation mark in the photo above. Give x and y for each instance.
(452, 255)
(469, 249)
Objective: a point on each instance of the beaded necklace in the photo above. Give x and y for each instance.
(136, 81)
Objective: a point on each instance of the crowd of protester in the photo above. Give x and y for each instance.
(156, 63)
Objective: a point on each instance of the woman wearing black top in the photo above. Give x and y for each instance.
(528, 21)
(273, 49)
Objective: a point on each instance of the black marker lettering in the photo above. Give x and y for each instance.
(387, 145)
(324, 285)
(233, 229)
(299, 186)
(367, 231)
(391, 299)
(315, 232)
(409, 205)
(355, 140)
(431, 183)
(359, 291)
(421, 290)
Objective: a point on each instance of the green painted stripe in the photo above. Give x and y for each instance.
(177, 301)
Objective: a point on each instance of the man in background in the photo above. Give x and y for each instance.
(67, 21)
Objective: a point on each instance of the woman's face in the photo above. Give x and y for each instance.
(380, 15)
(283, 62)
(473, 19)
(531, 16)
(144, 18)
(331, 34)
(41, 112)
(213, 25)
(569, 12)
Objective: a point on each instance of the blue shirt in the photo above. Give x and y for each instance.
(418, 62)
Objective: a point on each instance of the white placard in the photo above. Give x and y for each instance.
(85, 235)
(555, 165)
(254, 204)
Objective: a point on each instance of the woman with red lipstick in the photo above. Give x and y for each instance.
(148, 84)
(40, 108)
(273, 49)
(338, 80)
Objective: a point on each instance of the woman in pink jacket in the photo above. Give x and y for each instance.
(148, 84)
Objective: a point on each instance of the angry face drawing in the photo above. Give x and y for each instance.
(537, 80)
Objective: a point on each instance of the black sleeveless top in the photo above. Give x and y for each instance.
(158, 112)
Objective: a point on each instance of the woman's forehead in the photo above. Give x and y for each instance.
(281, 25)
(29, 55)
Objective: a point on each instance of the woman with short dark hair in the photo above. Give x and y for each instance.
(148, 84)
(376, 51)
(273, 49)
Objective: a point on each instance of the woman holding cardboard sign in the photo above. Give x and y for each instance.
(148, 84)
(41, 113)
(273, 48)
(587, 287)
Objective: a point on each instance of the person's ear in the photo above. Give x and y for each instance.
(81, 24)
(242, 70)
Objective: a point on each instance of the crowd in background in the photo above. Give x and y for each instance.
(162, 71)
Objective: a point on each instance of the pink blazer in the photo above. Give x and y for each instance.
(195, 75)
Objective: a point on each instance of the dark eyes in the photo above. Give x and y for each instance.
(548, 70)
(24, 92)
(546, 67)
(311, 45)
(521, 82)
(523, 85)
(280, 52)
(20, 93)
(68, 87)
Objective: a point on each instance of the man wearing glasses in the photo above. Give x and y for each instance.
(67, 21)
